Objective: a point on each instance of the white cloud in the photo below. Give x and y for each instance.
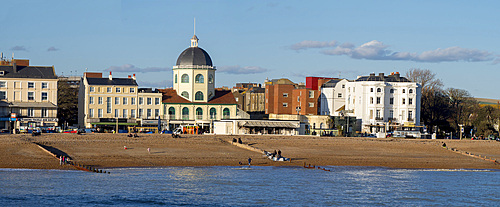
(131, 68)
(19, 48)
(236, 69)
(306, 44)
(51, 49)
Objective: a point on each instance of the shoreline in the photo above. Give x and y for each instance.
(107, 151)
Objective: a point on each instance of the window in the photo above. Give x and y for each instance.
(117, 100)
(339, 95)
(403, 90)
(410, 115)
(185, 78)
(31, 112)
(391, 114)
(99, 113)
(140, 113)
(185, 113)
(118, 90)
(91, 100)
(157, 112)
(91, 113)
(132, 113)
(311, 94)
(148, 113)
(31, 96)
(199, 113)
(285, 104)
(378, 100)
(371, 89)
(185, 94)
(311, 104)
(391, 91)
(91, 89)
(298, 98)
(45, 85)
(378, 114)
(410, 91)
(45, 112)
(149, 101)
(404, 101)
(124, 113)
(171, 113)
(285, 95)
(343, 85)
(210, 79)
(226, 114)
(198, 96)
(410, 100)
(3, 84)
(175, 78)
(371, 100)
(99, 100)
(199, 79)
(371, 114)
(99, 89)
(132, 101)
(379, 90)
(132, 90)
(157, 101)
(108, 89)
(391, 101)
(117, 113)
(108, 105)
(213, 113)
(31, 85)
(125, 101)
(44, 96)
(141, 100)
(3, 95)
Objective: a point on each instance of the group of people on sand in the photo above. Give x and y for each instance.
(63, 160)
(276, 154)
(132, 135)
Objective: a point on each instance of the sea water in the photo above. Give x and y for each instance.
(250, 186)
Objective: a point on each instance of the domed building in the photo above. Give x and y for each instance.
(194, 100)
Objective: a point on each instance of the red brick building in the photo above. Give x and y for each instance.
(286, 97)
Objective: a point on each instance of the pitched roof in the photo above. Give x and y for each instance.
(41, 72)
(114, 81)
(221, 97)
(381, 77)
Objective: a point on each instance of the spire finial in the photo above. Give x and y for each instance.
(194, 40)
(195, 26)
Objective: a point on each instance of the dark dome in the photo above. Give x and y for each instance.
(194, 56)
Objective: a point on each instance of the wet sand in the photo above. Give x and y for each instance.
(107, 150)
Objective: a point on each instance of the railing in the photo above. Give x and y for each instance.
(379, 118)
(171, 116)
(185, 117)
(225, 117)
(411, 119)
(199, 116)
(194, 67)
(391, 119)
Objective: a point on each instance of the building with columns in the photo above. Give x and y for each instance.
(194, 100)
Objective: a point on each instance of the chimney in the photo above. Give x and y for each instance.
(129, 76)
(381, 75)
(110, 76)
(14, 66)
(133, 77)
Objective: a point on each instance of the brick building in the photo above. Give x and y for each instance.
(286, 97)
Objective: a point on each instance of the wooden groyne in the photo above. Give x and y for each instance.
(477, 156)
(56, 153)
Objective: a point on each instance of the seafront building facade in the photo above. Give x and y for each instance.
(28, 96)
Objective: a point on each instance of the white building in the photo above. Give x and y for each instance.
(332, 98)
(383, 101)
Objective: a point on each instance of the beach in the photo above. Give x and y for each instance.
(118, 150)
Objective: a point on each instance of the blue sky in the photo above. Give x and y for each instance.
(250, 41)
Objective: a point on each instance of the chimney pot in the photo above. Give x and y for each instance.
(110, 76)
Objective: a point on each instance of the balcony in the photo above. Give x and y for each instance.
(199, 117)
(379, 118)
(411, 119)
(171, 116)
(185, 117)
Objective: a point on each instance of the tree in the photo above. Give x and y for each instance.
(67, 103)
(426, 78)
(462, 105)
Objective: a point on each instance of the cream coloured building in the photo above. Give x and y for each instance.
(29, 93)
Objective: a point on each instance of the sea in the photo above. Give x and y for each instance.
(251, 186)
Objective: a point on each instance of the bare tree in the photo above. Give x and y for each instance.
(462, 105)
(426, 78)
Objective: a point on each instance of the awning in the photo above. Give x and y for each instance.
(270, 124)
(340, 109)
(112, 123)
(32, 104)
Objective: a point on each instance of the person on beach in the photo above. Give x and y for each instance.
(249, 161)
(60, 160)
(149, 150)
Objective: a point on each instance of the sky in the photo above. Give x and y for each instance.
(250, 41)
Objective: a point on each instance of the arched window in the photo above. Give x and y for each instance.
(213, 113)
(171, 113)
(226, 114)
(185, 94)
(199, 113)
(185, 113)
(210, 78)
(185, 78)
(321, 126)
(175, 78)
(198, 96)
(199, 79)
(379, 90)
(410, 91)
(404, 91)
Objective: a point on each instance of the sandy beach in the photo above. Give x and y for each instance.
(107, 150)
